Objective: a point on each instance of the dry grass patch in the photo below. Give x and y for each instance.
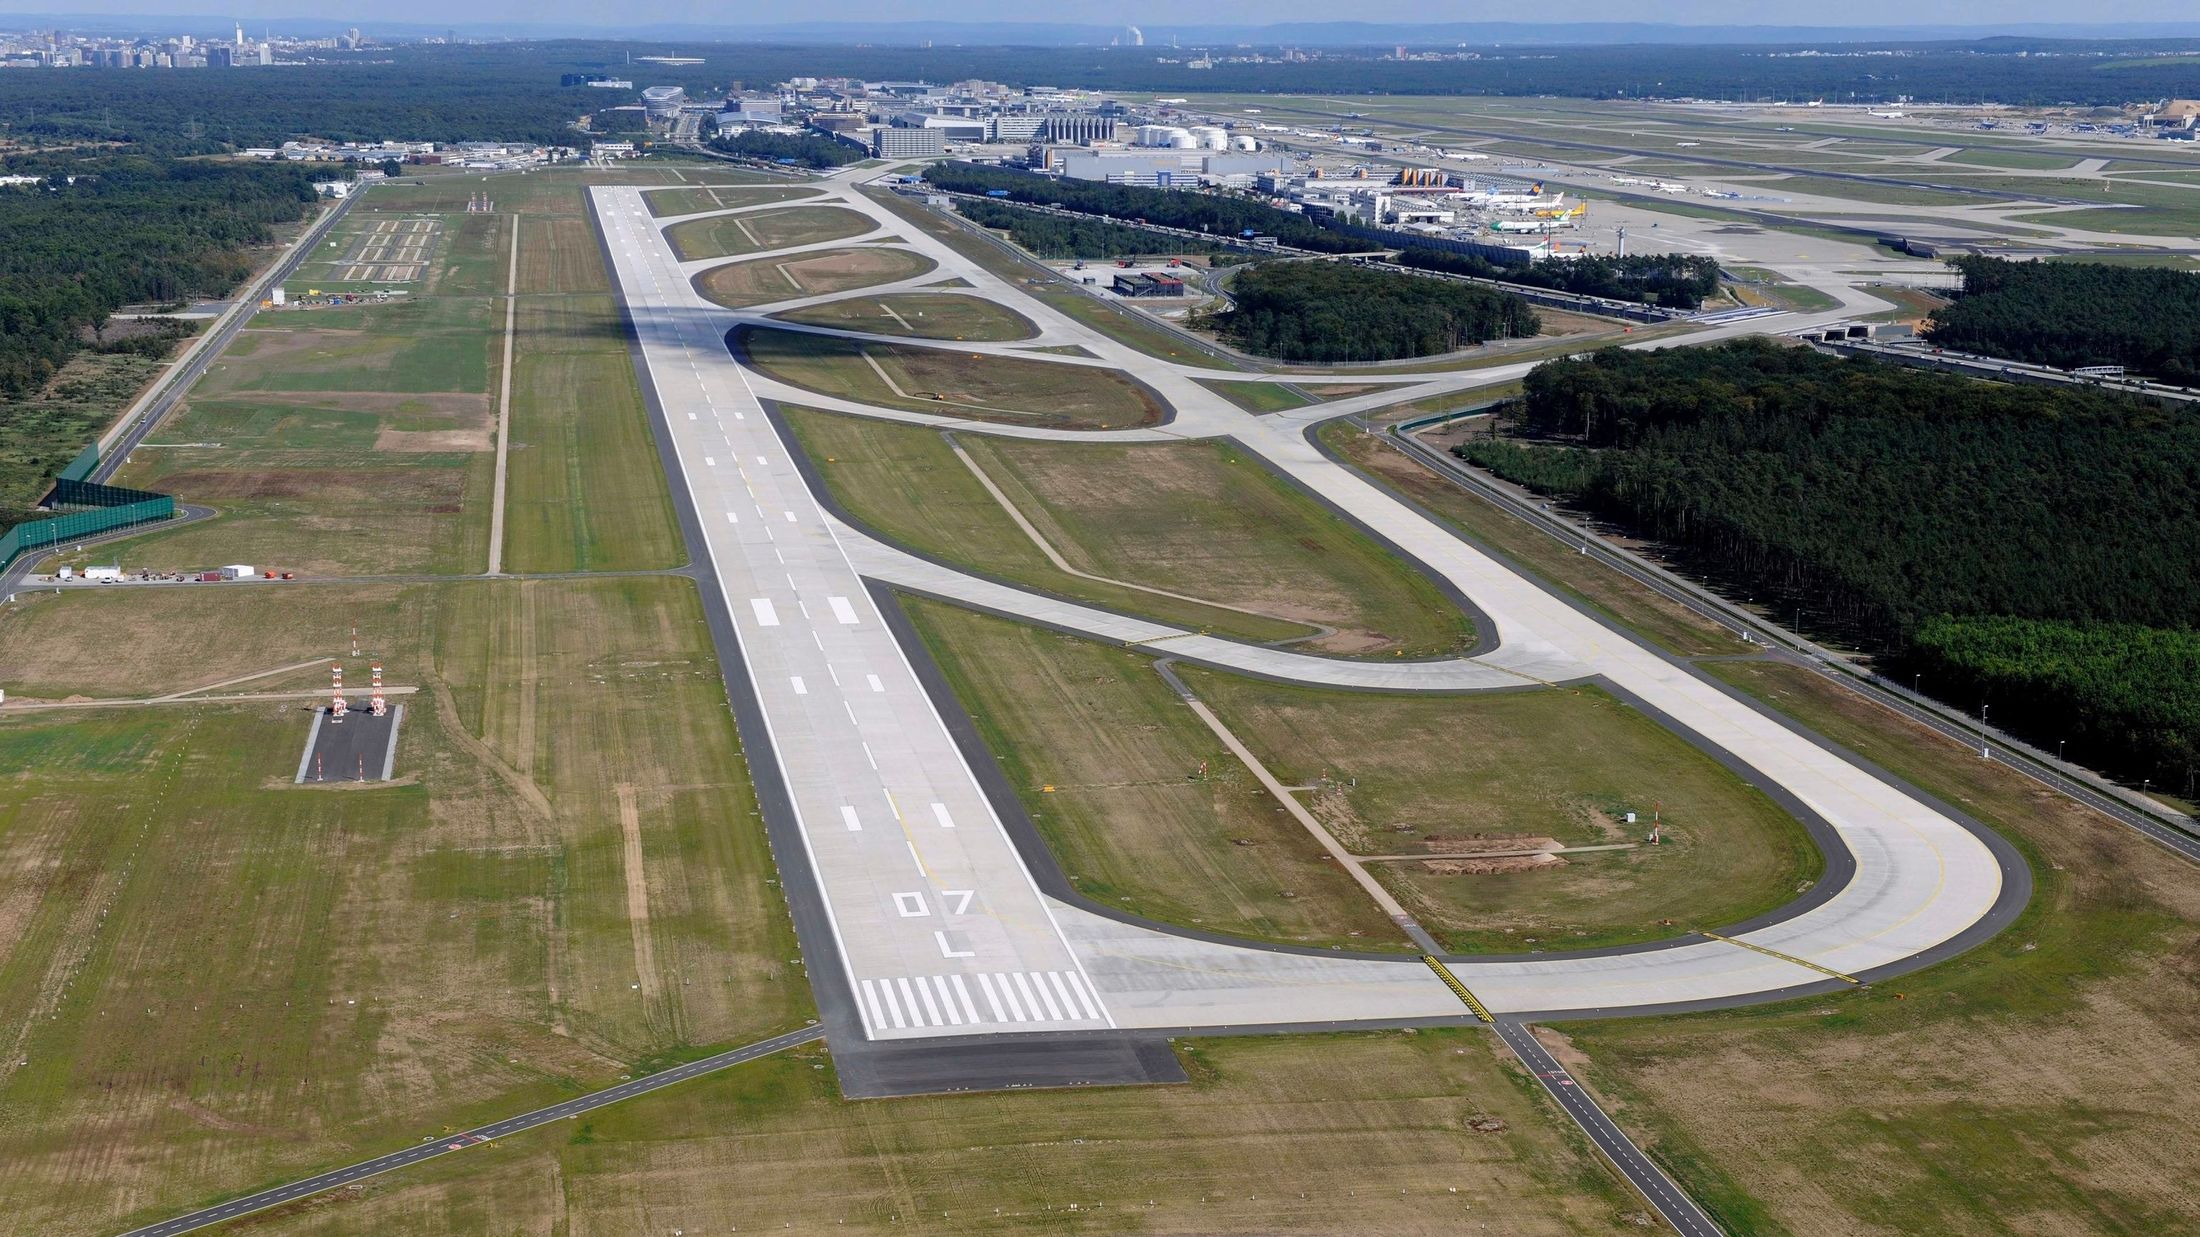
(762, 281)
(722, 236)
(1404, 1133)
(950, 383)
(2036, 1084)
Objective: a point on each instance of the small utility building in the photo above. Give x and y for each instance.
(1148, 283)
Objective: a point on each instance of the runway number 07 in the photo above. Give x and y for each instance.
(913, 906)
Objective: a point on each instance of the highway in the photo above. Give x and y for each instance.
(428, 1149)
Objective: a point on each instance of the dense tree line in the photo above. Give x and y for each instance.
(1674, 280)
(104, 232)
(1194, 212)
(1334, 311)
(810, 150)
(1052, 236)
(1878, 499)
(2069, 314)
(2125, 697)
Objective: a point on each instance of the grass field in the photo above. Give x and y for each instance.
(360, 440)
(1193, 518)
(1107, 761)
(1664, 622)
(1259, 396)
(726, 236)
(587, 492)
(337, 441)
(1409, 1133)
(949, 383)
(2034, 1084)
(1563, 764)
(664, 203)
(764, 280)
(2021, 159)
(209, 977)
(927, 315)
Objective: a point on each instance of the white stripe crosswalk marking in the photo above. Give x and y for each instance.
(909, 999)
(947, 1000)
(985, 988)
(1077, 985)
(962, 993)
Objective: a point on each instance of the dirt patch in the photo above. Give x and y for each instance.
(1492, 867)
(445, 404)
(476, 439)
(637, 889)
(1458, 844)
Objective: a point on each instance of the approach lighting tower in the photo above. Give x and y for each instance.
(376, 705)
(337, 707)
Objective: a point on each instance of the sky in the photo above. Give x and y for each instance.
(1984, 13)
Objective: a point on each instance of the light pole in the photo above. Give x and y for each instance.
(1984, 712)
(2060, 744)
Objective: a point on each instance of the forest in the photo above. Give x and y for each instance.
(1194, 212)
(1873, 501)
(2124, 698)
(1673, 280)
(1333, 311)
(801, 149)
(105, 232)
(2068, 314)
(1052, 236)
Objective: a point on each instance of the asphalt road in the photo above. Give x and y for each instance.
(1679, 1210)
(222, 1212)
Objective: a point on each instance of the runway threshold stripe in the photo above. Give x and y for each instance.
(962, 994)
(1062, 990)
(842, 610)
(947, 1000)
(993, 1002)
(893, 1007)
(870, 998)
(1024, 988)
(1008, 994)
(909, 999)
(766, 616)
(1084, 998)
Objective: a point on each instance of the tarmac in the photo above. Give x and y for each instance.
(930, 906)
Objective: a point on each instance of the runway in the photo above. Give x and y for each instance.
(941, 921)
